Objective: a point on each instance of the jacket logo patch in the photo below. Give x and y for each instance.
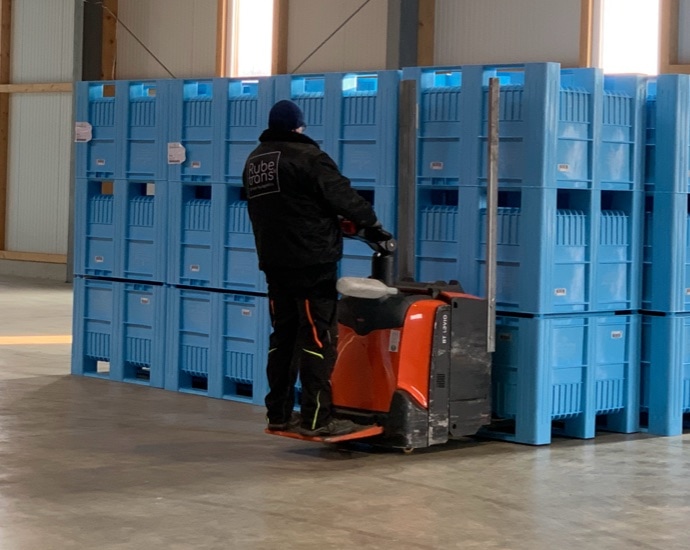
(262, 175)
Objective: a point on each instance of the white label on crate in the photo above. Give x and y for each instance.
(144, 300)
(177, 154)
(564, 167)
(100, 162)
(196, 164)
(98, 259)
(247, 312)
(616, 334)
(394, 342)
(560, 292)
(195, 268)
(83, 132)
(505, 337)
(437, 165)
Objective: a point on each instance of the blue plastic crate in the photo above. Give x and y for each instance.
(100, 156)
(568, 128)
(565, 375)
(119, 331)
(193, 361)
(621, 151)
(96, 227)
(195, 215)
(665, 373)
(240, 269)
(120, 229)
(244, 343)
(195, 123)
(142, 336)
(354, 117)
(95, 327)
(437, 234)
(356, 261)
(559, 250)
(145, 128)
(245, 109)
(145, 230)
(666, 273)
(668, 134)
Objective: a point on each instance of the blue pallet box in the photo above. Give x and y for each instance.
(565, 375)
(244, 115)
(353, 117)
(665, 373)
(196, 108)
(195, 215)
(558, 250)
(666, 264)
(667, 167)
(119, 331)
(98, 148)
(96, 229)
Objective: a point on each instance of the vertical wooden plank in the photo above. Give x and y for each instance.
(222, 38)
(668, 36)
(586, 25)
(426, 34)
(280, 37)
(109, 40)
(5, 45)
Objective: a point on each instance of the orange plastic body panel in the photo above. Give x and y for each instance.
(371, 368)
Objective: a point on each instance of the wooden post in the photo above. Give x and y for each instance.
(280, 37)
(5, 45)
(425, 36)
(109, 41)
(668, 38)
(222, 39)
(586, 21)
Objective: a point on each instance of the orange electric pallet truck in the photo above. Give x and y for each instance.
(412, 365)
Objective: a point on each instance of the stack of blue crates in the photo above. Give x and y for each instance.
(665, 375)
(569, 241)
(167, 289)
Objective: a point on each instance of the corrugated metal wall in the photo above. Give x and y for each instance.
(40, 127)
(358, 46)
(181, 33)
(507, 31)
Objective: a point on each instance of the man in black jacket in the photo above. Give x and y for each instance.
(295, 194)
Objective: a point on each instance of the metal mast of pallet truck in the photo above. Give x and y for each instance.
(491, 211)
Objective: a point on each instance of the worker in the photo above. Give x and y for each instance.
(295, 196)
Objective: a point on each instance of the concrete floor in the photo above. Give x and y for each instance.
(91, 464)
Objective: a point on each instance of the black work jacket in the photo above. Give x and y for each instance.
(295, 194)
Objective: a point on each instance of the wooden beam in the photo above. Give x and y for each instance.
(668, 38)
(33, 257)
(222, 38)
(279, 56)
(5, 45)
(586, 25)
(39, 88)
(426, 34)
(109, 41)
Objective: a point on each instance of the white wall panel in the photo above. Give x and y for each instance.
(181, 33)
(359, 46)
(507, 31)
(39, 171)
(42, 41)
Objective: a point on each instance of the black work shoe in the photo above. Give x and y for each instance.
(289, 426)
(335, 426)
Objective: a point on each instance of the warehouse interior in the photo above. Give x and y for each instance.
(92, 459)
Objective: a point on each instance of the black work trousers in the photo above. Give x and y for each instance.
(303, 342)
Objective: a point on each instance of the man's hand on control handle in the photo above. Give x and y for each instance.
(376, 233)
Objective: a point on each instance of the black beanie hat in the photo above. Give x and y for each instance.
(285, 115)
